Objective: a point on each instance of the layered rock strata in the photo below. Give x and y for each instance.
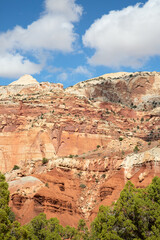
(75, 149)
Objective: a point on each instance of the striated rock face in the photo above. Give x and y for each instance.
(139, 90)
(76, 148)
(30, 196)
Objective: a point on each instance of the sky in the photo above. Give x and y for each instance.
(69, 41)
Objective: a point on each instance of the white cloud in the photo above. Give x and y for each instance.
(62, 77)
(127, 37)
(53, 31)
(82, 70)
(66, 8)
(13, 66)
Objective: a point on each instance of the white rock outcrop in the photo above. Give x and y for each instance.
(25, 80)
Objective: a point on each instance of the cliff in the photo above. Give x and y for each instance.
(140, 90)
(74, 149)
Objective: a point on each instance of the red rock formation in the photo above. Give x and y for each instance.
(93, 143)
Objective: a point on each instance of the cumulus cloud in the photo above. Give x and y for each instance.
(66, 8)
(53, 31)
(127, 37)
(13, 66)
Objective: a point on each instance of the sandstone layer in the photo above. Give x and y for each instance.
(139, 90)
(75, 149)
(25, 80)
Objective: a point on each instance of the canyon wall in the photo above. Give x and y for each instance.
(67, 151)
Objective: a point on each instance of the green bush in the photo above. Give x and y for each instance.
(44, 161)
(103, 175)
(136, 149)
(123, 152)
(120, 139)
(16, 167)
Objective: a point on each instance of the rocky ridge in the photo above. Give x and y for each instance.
(74, 149)
(140, 90)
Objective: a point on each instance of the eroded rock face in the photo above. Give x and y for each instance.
(138, 90)
(50, 193)
(93, 138)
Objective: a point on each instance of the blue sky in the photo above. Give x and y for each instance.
(69, 41)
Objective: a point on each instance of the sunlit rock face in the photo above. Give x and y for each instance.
(75, 149)
(25, 80)
(140, 89)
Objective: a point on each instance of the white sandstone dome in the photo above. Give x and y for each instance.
(25, 80)
(116, 74)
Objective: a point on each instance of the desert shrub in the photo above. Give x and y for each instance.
(82, 185)
(103, 175)
(44, 161)
(120, 139)
(16, 167)
(136, 149)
